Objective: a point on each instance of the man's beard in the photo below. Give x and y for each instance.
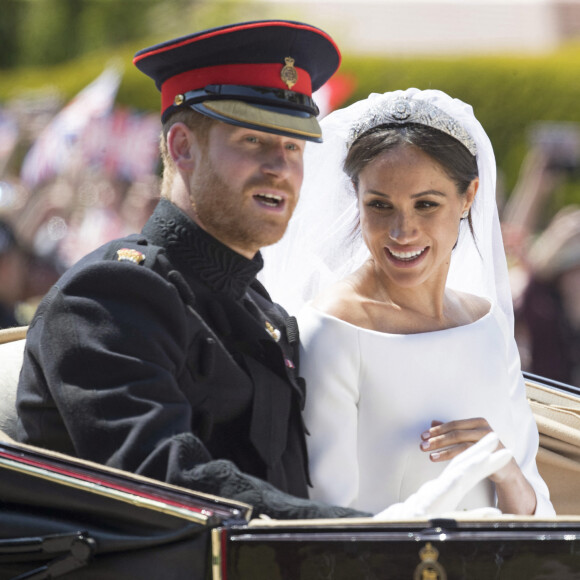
(224, 213)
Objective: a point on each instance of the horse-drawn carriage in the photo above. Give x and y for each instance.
(63, 517)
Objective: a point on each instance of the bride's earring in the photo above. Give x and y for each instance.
(465, 214)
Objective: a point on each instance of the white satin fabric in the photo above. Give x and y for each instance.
(371, 395)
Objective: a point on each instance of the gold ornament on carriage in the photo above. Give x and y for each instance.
(429, 568)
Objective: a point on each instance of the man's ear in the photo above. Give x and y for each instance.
(183, 147)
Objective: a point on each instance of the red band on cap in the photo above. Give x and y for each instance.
(255, 75)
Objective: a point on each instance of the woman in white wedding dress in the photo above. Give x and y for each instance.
(408, 351)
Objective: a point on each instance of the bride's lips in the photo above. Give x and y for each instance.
(407, 257)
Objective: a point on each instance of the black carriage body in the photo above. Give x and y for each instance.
(508, 549)
(61, 517)
(64, 518)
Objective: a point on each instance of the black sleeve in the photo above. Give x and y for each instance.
(107, 347)
(186, 463)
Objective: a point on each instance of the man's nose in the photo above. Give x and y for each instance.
(277, 161)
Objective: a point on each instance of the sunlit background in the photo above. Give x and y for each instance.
(79, 128)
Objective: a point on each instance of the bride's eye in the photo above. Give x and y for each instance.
(377, 204)
(426, 204)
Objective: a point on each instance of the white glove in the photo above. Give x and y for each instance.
(443, 494)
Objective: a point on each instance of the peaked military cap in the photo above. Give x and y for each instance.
(258, 74)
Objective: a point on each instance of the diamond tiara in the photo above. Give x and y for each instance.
(402, 111)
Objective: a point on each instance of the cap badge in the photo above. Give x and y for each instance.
(274, 332)
(179, 100)
(288, 73)
(127, 254)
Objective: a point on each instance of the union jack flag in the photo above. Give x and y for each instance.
(52, 151)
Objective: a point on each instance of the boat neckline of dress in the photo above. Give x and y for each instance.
(380, 333)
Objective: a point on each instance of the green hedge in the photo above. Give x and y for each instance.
(48, 32)
(508, 93)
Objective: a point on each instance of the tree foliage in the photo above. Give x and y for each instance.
(48, 32)
(509, 93)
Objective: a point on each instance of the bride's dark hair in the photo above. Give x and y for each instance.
(453, 156)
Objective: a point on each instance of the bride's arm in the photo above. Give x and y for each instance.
(444, 441)
(329, 362)
(515, 495)
(520, 488)
(525, 438)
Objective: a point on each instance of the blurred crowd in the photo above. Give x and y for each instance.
(543, 250)
(45, 231)
(72, 176)
(109, 185)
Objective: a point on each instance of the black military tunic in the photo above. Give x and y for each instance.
(162, 354)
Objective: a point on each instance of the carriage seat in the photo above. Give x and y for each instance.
(11, 353)
(557, 415)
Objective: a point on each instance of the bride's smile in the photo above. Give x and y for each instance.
(405, 258)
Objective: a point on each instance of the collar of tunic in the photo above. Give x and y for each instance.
(217, 265)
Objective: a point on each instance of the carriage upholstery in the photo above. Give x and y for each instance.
(557, 415)
(11, 351)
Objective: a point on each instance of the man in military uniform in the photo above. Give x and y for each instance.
(161, 353)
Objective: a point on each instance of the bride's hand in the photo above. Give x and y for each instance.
(441, 495)
(444, 441)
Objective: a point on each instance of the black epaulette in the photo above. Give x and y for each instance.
(137, 249)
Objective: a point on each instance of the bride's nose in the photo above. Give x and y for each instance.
(402, 228)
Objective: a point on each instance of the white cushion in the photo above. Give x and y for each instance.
(11, 354)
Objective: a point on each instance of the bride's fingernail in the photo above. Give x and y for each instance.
(425, 445)
(425, 435)
(434, 456)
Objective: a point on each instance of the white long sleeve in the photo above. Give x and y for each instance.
(370, 395)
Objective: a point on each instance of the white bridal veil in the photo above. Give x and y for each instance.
(319, 247)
